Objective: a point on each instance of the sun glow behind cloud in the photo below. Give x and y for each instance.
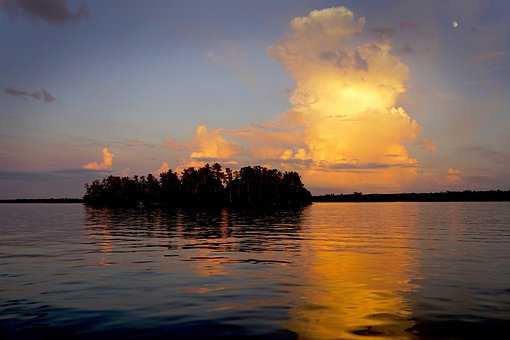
(346, 93)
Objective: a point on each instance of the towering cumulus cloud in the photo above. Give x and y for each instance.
(352, 132)
(346, 92)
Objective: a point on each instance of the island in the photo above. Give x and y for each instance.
(98, 197)
(251, 186)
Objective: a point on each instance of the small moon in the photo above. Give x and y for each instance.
(455, 24)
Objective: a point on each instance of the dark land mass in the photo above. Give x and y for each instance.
(447, 196)
(207, 186)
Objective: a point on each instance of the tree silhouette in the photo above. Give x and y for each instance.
(205, 186)
(170, 187)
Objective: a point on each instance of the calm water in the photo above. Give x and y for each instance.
(329, 271)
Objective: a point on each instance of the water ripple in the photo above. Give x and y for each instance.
(328, 271)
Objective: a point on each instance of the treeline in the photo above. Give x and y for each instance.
(447, 196)
(206, 186)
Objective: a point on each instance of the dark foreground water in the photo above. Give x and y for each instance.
(328, 271)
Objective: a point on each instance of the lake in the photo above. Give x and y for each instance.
(327, 271)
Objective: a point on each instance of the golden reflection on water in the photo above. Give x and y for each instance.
(205, 263)
(351, 267)
(104, 241)
(355, 292)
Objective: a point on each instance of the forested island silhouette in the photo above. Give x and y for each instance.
(207, 186)
(250, 186)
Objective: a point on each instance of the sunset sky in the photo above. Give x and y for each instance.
(371, 96)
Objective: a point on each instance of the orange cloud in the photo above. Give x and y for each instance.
(346, 90)
(269, 141)
(163, 168)
(345, 129)
(211, 145)
(105, 164)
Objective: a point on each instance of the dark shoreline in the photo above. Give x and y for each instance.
(448, 196)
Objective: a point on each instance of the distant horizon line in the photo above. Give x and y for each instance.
(438, 196)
